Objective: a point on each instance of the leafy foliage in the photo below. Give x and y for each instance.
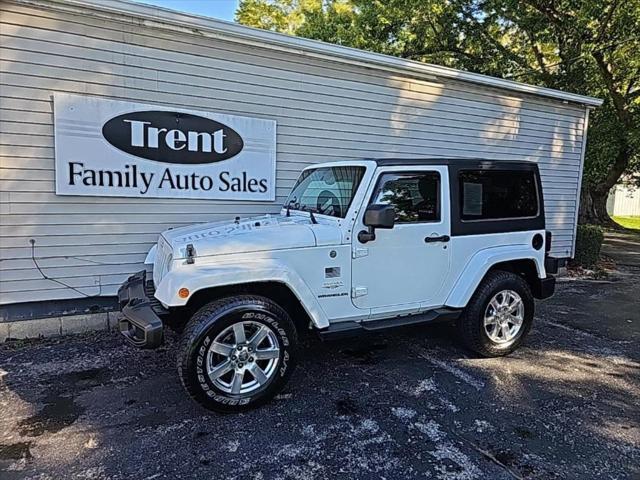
(589, 240)
(284, 16)
(589, 47)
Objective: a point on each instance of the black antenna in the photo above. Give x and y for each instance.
(289, 206)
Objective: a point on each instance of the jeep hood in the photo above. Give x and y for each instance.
(254, 234)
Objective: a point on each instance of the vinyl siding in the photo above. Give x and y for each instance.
(324, 110)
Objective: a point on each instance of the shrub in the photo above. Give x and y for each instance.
(588, 243)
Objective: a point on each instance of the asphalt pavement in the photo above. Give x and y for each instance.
(404, 405)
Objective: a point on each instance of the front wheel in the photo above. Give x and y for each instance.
(498, 316)
(236, 353)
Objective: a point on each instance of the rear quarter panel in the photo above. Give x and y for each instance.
(474, 255)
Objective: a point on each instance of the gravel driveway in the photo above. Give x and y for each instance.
(412, 404)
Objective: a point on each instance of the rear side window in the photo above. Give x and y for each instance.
(497, 194)
(415, 196)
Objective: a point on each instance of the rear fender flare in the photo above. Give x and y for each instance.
(481, 263)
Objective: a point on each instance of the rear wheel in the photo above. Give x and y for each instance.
(237, 353)
(498, 316)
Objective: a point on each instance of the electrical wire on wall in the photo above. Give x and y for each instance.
(32, 241)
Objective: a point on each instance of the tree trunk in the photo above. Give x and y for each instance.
(593, 207)
(593, 199)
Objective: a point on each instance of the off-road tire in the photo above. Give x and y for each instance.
(471, 323)
(212, 319)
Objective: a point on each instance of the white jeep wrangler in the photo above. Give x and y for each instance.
(358, 246)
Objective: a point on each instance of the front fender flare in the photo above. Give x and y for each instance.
(479, 265)
(207, 276)
(151, 256)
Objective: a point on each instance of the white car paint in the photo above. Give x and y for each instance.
(151, 256)
(417, 267)
(396, 274)
(473, 263)
(264, 233)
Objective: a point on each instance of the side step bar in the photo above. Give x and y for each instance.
(347, 329)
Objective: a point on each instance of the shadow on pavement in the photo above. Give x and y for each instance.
(405, 405)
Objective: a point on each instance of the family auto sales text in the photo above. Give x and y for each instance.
(135, 178)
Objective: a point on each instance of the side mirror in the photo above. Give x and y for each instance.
(376, 216)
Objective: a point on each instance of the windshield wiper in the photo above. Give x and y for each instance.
(303, 208)
(312, 217)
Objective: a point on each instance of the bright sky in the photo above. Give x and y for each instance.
(222, 9)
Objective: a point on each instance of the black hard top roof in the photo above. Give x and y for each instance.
(467, 162)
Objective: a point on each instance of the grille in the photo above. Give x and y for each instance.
(156, 306)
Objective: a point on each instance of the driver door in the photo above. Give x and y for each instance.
(401, 271)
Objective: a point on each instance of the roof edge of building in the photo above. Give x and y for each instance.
(160, 17)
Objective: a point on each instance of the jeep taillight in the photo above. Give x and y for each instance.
(547, 241)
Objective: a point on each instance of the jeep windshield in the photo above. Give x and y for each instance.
(326, 190)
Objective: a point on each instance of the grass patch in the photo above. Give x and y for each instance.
(632, 223)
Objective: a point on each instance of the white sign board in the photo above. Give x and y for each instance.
(124, 149)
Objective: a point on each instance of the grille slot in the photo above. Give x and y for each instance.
(163, 254)
(154, 303)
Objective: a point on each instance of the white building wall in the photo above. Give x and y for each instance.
(324, 110)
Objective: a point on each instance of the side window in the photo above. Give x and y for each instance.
(415, 196)
(497, 194)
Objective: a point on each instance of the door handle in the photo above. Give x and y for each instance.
(441, 238)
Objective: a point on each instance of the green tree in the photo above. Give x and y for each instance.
(589, 47)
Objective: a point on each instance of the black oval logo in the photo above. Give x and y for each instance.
(172, 137)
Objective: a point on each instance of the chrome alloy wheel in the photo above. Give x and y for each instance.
(504, 316)
(243, 357)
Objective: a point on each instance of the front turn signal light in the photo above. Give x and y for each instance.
(183, 293)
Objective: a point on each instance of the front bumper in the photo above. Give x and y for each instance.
(141, 325)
